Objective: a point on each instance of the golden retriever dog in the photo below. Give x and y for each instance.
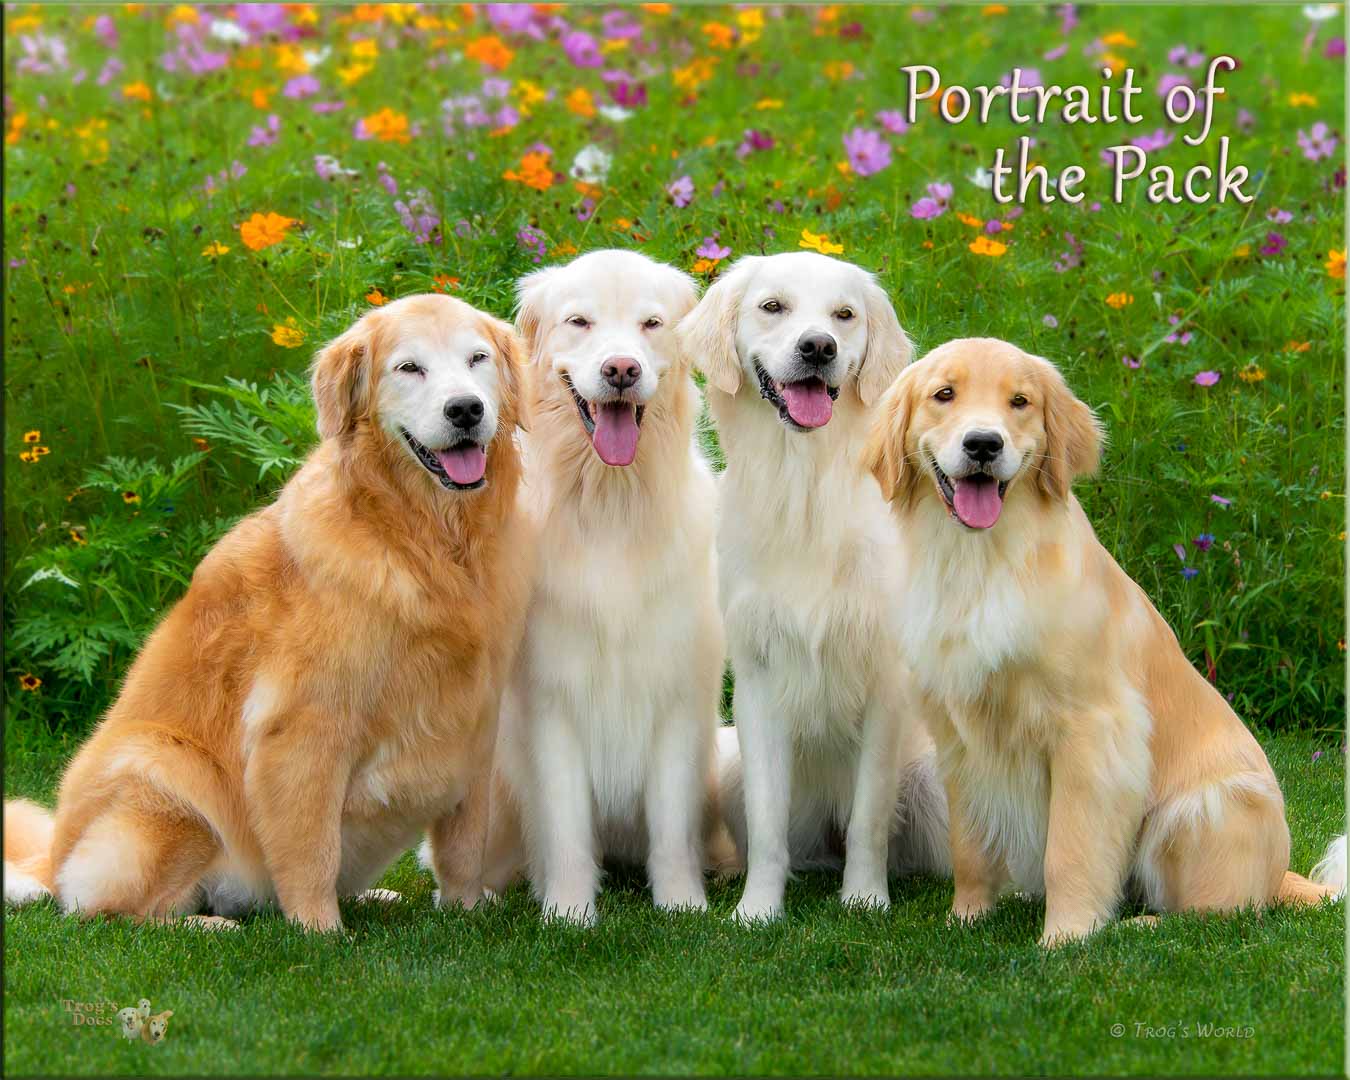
(328, 686)
(1083, 755)
(797, 348)
(606, 735)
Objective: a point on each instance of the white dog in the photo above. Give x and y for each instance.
(606, 734)
(796, 348)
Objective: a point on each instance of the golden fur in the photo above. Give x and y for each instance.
(1081, 751)
(327, 686)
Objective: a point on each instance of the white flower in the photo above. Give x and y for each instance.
(349, 243)
(315, 57)
(591, 165)
(228, 32)
(982, 178)
(1320, 12)
(615, 114)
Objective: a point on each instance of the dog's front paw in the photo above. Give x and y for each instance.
(867, 899)
(1063, 933)
(758, 911)
(682, 894)
(461, 897)
(577, 911)
(966, 910)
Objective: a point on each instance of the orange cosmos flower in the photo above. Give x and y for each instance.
(263, 230)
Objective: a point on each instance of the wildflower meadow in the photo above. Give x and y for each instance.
(197, 197)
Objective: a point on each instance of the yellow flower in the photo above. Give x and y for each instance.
(819, 242)
(719, 35)
(201, 444)
(1252, 373)
(365, 49)
(28, 457)
(968, 219)
(76, 537)
(835, 70)
(288, 335)
(377, 298)
(215, 250)
(703, 266)
(32, 436)
(263, 230)
(982, 245)
(1120, 39)
(769, 103)
(387, 126)
(1119, 300)
(1242, 250)
(995, 9)
(528, 95)
(130, 498)
(580, 102)
(183, 13)
(136, 91)
(17, 123)
(41, 451)
(29, 681)
(1297, 100)
(1336, 264)
(353, 72)
(694, 74)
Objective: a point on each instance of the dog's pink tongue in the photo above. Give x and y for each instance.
(616, 433)
(463, 464)
(808, 402)
(977, 502)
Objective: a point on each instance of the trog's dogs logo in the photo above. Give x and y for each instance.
(134, 1022)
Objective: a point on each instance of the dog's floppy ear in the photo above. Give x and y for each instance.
(340, 379)
(514, 379)
(884, 454)
(1073, 435)
(889, 350)
(708, 333)
(530, 305)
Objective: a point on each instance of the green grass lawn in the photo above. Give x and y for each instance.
(407, 989)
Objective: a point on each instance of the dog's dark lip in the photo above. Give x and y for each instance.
(584, 407)
(428, 461)
(768, 390)
(947, 489)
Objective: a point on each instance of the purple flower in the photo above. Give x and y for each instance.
(893, 120)
(300, 87)
(261, 19)
(111, 71)
(1068, 18)
(323, 108)
(1204, 541)
(1206, 378)
(1181, 552)
(513, 18)
(1278, 216)
(1170, 82)
(1245, 120)
(1055, 53)
(265, 136)
(43, 54)
(753, 141)
(627, 94)
(681, 191)
(1219, 500)
(927, 208)
(941, 192)
(419, 217)
(1274, 245)
(1050, 321)
(106, 31)
(1316, 754)
(1131, 362)
(1030, 78)
(1071, 259)
(586, 209)
(1178, 337)
(868, 153)
(532, 240)
(1317, 142)
(327, 167)
(496, 88)
(711, 249)
(619, 25)
(582, 49)
(1183, 56)
(1189, 572)
(1334, 48)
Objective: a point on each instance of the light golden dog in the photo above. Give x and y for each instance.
(1081, 752)
(329, 684)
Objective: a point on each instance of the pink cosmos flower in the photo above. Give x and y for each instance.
(1206, 378)
(1317, 142)
(681, 191)
(868, 153)
(712, 249)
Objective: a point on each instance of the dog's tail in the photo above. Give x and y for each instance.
(1327, 878)
(28, 852)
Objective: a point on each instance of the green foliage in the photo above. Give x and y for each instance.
(271, 427)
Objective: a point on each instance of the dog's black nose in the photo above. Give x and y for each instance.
(817, 348)
(982, 445)
(464, 412)
(621, 372)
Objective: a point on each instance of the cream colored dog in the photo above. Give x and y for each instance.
(1081, 751)
(329, 684)
(607, 730)
(797, 348)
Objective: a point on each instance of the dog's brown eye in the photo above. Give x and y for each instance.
(945, 394)
(477, 358)
(652, 323)
(579, 320)
(844, 314)
(409, 368)
(1020, 401)
(773, 307)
